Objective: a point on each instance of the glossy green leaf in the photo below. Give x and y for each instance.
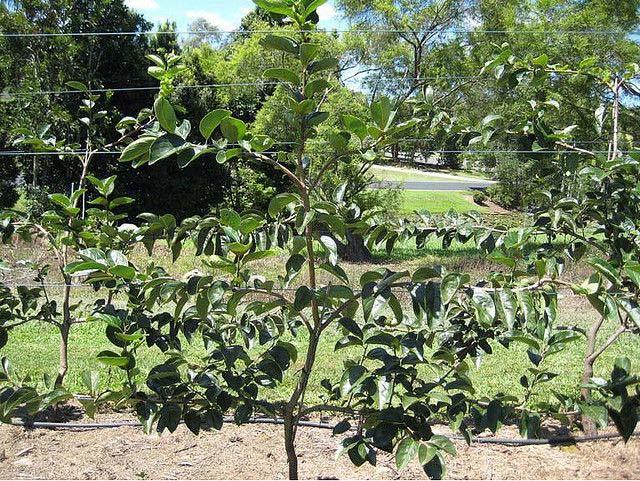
(283, 74)
(211, 121)
(281, 43)
(405, 452)
(137, 149)
(165, 147)
(165, 114)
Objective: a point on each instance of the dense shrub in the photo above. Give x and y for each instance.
(479, 197)
(516, 184)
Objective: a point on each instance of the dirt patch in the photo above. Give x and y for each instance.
(255, 452)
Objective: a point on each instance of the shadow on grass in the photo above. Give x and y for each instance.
(412, 253)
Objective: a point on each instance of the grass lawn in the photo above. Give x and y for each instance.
(34, 349)
(384, 173)
(407, 174)
(438, 201)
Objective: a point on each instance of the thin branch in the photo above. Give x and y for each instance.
(613, 338)
(575, 149)
(282, 168)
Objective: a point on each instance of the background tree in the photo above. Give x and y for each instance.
(34, 64)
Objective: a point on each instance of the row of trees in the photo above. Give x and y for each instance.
(408, 361)
(418, 59)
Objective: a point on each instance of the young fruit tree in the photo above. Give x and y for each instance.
(590, 211)
(79, 233)
(406, 369)
(410, 339)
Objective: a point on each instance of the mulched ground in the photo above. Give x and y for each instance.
(255, 452)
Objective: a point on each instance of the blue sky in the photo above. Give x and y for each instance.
(225, 14)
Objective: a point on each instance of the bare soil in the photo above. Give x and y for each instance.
(255, 452)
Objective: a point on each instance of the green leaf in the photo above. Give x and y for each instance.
(231, 218)
(94, 254)
(193, 421)
(124, 272)
(280, 201)
(308, 52)
(316, 86)
(233, 129)
(435, 468)
(294, 264)
(278, 42)
(449, 287)
(336, 271)
(255, 256)
(4, 337)
(490, 119)
(112, 359)
(485, 306)
(425, 273)
(83, 268)
(313, 6)
(355, 126)
(605, 268)
(331, 247)
(157, 60)
(169, 417)
(303, 298)
(280, 7)
(426, 452)
(596, 412)
(327, 63)
(117, 258)
(164, 147)
(633, 271)
(91, 380)
(283, 74)
(165, 114)
(626, 419)
(443, 443)
(381, 113)
(120, 201)
(136, 149)
(316, 118)
(406, 452)
(211, 121)
(351, 379)
(79, 86)
(60, 199)
(342, 427)
(243, 413)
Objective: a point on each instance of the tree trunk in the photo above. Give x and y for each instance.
(354, 250)
(64, 328)
(64, 354)
(588, 425)
(290, 445)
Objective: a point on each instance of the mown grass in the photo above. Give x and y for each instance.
(392, 173)
(438, 202)
(384, 173)
(34, 349)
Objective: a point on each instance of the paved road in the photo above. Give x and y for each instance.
(436, 185)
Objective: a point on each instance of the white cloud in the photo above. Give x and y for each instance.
(213, 18)
(327, 12)
(142, 4)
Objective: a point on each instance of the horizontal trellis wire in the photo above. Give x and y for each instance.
(515, 442)
(470, 152)
(436, 31)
